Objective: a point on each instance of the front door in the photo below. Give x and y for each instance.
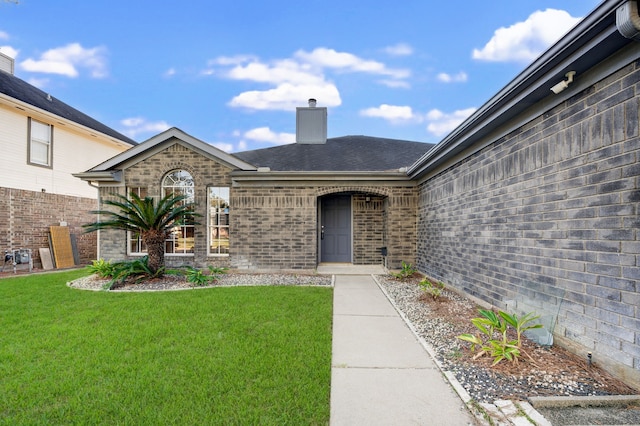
(335, 229)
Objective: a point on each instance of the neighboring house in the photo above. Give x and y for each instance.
(531, 204)
(43, 142)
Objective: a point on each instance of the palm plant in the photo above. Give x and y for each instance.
(151, 221)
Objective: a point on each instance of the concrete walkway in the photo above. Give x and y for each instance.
(381, 374)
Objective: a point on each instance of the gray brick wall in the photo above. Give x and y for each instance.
(546, 219)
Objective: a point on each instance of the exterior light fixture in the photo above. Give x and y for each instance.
(564, 83)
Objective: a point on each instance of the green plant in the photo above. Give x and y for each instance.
(216, 271)
(521, 324)
(407, 271)
(151, 220)
(489, 324)
(435, 290)
(102, 268)
(197, 276)
(138, 269)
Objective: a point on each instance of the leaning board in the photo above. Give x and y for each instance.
(61, 244)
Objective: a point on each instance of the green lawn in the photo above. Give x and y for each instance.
(243, 355)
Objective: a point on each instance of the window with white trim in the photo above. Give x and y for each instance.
(181, 237)
(218, 220)
(40, 143)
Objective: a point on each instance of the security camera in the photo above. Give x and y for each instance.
(560, 87)
(564, 83)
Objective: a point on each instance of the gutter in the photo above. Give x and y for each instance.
(100, 176)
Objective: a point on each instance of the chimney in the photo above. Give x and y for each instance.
(311, 124)
(6, 63)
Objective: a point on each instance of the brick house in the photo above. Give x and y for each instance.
(43, 142)
(531, 204)
(287, 207)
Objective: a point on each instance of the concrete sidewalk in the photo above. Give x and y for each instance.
(381, 374)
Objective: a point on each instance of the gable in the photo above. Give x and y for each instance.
(110, 170)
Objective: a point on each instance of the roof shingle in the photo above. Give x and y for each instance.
(19, 89)
(346, 153)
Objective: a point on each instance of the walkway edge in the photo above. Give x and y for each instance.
(474, 408)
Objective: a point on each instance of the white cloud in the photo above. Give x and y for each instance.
(441, 123)
(224, 146)
(294, 80)
(400, 49)
(461, 77)
(392, 113)
(67, 59)
(285, 71)
(4, 35)
(9, 51)
(135, 126)
(525, 41)
(329, 58)
(264, 134)
(287, 96)
(395, 84)
(170, 72)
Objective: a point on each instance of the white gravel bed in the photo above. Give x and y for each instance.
(172, 282)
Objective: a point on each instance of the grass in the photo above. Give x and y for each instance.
(243, 355)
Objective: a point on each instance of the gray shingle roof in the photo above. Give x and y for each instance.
(346, 153)
(16, 88)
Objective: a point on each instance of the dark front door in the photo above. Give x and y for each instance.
(335, 229)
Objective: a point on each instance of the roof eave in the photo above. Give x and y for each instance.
(114, 176)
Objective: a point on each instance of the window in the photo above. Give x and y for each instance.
(181, 238)
(136, 246)
(40, 142)
(218, 220)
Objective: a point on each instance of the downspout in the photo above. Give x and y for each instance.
(628, 20)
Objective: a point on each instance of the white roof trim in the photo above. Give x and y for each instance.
(163, 137)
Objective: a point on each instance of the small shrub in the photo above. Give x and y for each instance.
(137, 269)
(102, 268)
(216, 271)
(197, 277)
(434, 290)
(489, 324)
(407, 271)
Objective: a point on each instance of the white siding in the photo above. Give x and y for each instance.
(73, 152)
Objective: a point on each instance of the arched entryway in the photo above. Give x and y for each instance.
(352, 227)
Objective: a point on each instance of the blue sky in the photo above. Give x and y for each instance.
(231, 73)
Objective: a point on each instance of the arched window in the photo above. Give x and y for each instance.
(181, 238)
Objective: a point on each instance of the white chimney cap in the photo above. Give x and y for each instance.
(312, 103)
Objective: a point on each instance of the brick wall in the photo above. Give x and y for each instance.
(368, 229)
(546, 219)
(273, 228)
(25, 218)
(149, 174)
